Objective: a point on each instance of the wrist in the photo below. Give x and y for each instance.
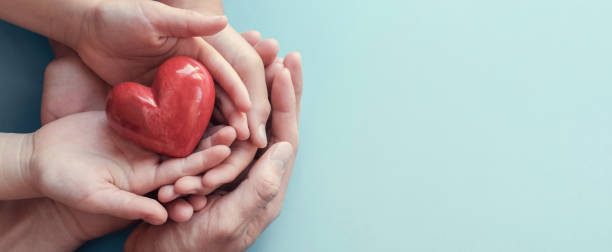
(71, 30)
(58, 20)
(25, 160)
(15, 173)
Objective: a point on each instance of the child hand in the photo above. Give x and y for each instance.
(244, 58)
(79, 161)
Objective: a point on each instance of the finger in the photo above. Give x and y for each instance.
(293, 62)
(189, 185)
(249, 65)
(170, 170)
(284, 127)
(211, 130)
(252, 37)
(284, 122)
(198, 202)
(177, 22)
(256, 119)
(235, 118)
(166, 194)
(261, 186)
(222, 135)
(127, 205)
(180, 210)
(242, 155)
(221, 70)
(267, 50)
(272, 70)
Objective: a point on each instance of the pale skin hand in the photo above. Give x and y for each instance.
(245, 60)
(43, 224)
(127, 40)
(92, 174)
(232, 222)
(70, 87)
(79, 161)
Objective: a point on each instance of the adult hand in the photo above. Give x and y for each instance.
(232, 221)
(128, 40)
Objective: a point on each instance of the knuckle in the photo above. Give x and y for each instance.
(266, 108)
(104, 11)
(250, 237)
(267, 189)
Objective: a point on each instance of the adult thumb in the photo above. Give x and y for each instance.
(177, 22)
(261, 186)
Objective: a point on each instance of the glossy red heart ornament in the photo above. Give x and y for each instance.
(169, 117)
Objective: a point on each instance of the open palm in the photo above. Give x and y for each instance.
(79, 161)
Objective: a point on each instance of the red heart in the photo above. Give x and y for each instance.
(169, 117)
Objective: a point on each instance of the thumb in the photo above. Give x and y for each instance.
(176, 22)
(262, 185)
(127, 205)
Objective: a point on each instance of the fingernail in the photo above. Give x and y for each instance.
(281, 154)
(261, 133)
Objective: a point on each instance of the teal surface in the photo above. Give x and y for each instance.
(443, 125)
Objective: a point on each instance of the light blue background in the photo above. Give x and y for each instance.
(439, 125)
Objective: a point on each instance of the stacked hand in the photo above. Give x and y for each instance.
(93, 181)
(232, 221)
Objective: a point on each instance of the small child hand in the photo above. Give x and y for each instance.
(79, 161)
